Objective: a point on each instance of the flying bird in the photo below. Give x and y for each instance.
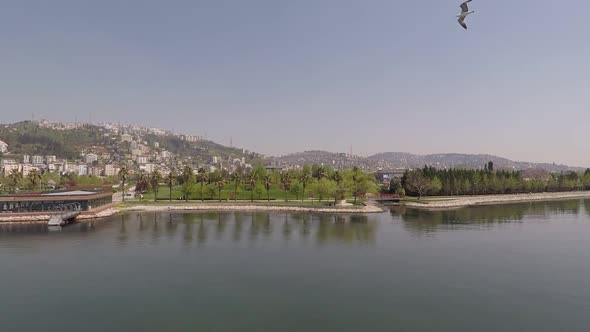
(464, 12)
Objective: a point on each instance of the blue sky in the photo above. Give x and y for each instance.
(285, 76)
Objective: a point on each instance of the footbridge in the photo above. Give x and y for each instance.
(64, 214)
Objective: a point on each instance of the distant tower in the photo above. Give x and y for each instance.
(231, 142)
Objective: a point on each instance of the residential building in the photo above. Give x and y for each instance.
(142, 160)
(3, 147)
(148, 168)
(126, 138)
(50, 159)
(82, 169)
(90, 158)
(37, 160)
(26, 159)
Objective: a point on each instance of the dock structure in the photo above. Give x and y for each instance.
(65, 214)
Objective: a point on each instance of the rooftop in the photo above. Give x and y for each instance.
(71, 193)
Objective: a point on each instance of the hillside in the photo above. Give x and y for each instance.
(457, 160)
(396, 160)
(68, 142)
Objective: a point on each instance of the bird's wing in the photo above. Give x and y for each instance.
(461, 21)
(464, 7)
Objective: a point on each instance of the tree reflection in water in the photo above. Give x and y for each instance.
(323, 227)
(421, 221)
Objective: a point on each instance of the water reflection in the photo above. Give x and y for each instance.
(205, 227)
(201, 228)
(428, 221)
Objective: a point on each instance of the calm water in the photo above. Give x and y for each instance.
(523, 267)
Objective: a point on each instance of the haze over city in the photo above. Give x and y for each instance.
(281, 77)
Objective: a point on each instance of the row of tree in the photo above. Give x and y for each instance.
(448, 182)
(315, 181)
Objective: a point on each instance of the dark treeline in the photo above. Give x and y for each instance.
(431, 181)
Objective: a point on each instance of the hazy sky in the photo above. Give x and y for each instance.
(284, 76)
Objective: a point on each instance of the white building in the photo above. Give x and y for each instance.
(50, 159)
(148, 168)
(3, 147)
(165, 154)
(37, 160)
(26, 159)
(110, 170)
(142, 160)
(82, 169)
(90, 158)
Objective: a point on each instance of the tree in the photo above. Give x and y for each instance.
(304, 179)
(267, 184)
(259, 189)
(202, 177)
(237, 179)
(252, 178)
(155, 179)
(142, 183)
(339, 192)
(321, 172)
(123, 175)
(359, 183)
(296, 189)
(395, 186)
(324, 187)
(220, 183)
(34, 177)
(187, 173)
(187, 189)
(286, 183)
(418, 183)
(14, 179)
(170, 180)
(436, 185)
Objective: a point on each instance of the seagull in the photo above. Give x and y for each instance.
(464, 12)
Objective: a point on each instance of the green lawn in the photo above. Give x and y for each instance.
(226, 193)
(213, 203)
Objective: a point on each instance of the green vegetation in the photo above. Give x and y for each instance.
(29, 138)
(324, 185)
(433, 182)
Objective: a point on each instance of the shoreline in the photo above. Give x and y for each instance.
(466, 201)
(39, 219)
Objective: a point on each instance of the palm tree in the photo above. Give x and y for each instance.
(322, 172)
(187, 173)
(170, 180)
(15, 177)
(304, 179)
(142, 182)
(267, 184)
(251, 178)
(155, 179)
(338, 178)
(123, 175)
(236, 177)
(220, 183)
(186, 177)
(34, 177)
(202, 177)
(286, 183)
